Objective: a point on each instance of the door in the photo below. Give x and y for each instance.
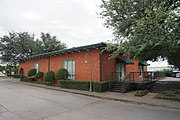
(21, 72)
(120, 71)
(141, 70)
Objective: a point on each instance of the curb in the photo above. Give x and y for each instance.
(97, 96)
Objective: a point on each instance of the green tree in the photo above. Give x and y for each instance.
(51, 43)
(173, 55)
(2, 69)
(16, 46)
(8, 70)
(143, 29)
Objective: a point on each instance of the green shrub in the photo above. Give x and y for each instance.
(26, 79)
(159, 74)
(168, 73)
(100, 86)
(17, 76)
(15, 70)
(32, 72)
(61, 74)
(21, 77)
(32, 79)
(49, 77)
(39, 75)
(84, 85)
(74, 84)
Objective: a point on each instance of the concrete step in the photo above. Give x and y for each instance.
(117, 86)
(118, 83)
(115, 90)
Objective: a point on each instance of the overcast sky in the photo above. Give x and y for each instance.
(74, 22)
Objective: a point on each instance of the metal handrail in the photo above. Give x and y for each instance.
(112, 79)
(140, 76)
(132, 77)
(127, 83)
(109, 82)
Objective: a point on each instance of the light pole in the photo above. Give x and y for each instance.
(90, 89)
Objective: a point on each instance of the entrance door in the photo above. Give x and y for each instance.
(21, 72)
(121, 71)
(141, 70)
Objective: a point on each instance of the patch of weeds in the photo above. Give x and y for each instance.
(140, 93)
(173, 95)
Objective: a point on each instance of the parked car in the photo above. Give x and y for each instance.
(178, 75)
(173, 74)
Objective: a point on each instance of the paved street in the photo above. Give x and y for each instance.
(170, 79)
(21, 102)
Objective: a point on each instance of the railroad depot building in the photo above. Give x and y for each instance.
(83, 63)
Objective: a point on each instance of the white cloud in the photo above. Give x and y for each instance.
(32, 16)
(74, 22)
(158, 63)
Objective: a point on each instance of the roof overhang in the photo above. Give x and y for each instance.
(66, 51)
(123, 60)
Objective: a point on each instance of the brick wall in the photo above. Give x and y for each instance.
(109, 66)
(132, 67)
(29, 64)
(82, 70)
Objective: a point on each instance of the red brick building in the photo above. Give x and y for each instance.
(83, 63)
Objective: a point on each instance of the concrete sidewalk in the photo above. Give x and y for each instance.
(122, 97)
(170, 79)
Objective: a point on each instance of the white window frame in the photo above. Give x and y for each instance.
(70, 66)
(36, 66)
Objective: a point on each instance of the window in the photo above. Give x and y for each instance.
(70, 66)
(36, 66)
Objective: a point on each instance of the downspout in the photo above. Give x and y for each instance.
(48, 63)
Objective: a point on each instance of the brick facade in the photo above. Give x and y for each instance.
(102, 66)
(109, 66)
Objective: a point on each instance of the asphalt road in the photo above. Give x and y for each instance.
(21, 102)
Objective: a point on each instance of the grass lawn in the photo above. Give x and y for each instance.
(140, 93)
(173, 95)
(3, 77)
